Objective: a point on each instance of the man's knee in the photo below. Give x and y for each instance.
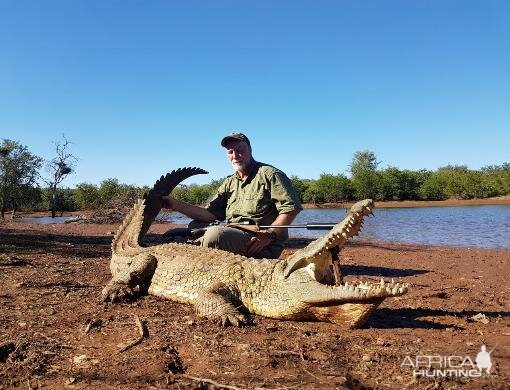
(212, 237)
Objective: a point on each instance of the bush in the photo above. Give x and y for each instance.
(367, 185)
(87, 196)
(300, 186)
(334, 188)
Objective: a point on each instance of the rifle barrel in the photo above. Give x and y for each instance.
(308, 226)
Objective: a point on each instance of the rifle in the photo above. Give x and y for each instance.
(246, 226)
(308, 226)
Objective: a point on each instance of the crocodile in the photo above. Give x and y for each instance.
(227, 287)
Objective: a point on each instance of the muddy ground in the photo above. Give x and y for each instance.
(54, 332)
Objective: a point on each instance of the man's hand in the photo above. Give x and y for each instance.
(258, 242)
(167, 202)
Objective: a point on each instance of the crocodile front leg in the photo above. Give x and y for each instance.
(215, 303)
(123, 284)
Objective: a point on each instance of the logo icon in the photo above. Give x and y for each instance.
(483, 359)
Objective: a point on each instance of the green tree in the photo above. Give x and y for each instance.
(313, 194)
(18, 173)
(432, 188)
(365, 180)
(86, 196)
(366, 185)
(112, 194)
(334, 188)
(109, 189)
(363, 161)
(497, 179)
(396, 184)
(300, 186)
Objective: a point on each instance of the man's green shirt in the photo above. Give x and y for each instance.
(266, 193)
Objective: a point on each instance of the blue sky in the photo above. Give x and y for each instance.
(143, 87)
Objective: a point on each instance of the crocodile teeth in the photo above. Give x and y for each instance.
(394, 291)
(344, 235)
(382, 282)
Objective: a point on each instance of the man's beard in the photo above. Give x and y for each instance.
(240, 166)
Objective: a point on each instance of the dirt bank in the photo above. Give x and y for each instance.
(503, 200)
(54, 333)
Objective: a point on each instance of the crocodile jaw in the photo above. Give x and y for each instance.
(358, 302)
(317, 252)
(346, 315)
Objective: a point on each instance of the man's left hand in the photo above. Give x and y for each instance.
(258, 242)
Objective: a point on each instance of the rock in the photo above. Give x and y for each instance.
(479, 318)
(381, 342)
(79, 359)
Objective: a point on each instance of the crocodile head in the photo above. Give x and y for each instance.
(304, 281)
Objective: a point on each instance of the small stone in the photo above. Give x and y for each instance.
(380, 341)
(366, 358)
(479, 318)
(79, 359)
(469, 343)
(191, 322)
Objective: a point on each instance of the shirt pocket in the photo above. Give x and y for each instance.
(254, 204)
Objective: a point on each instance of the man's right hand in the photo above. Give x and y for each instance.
(167, 202)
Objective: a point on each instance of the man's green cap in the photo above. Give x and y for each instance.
(235, 136)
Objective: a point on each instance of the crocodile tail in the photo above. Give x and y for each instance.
(142, 215)
(126, 238)
(163, 187)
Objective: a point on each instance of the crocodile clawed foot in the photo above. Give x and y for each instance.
(237, 319)
(115, 292)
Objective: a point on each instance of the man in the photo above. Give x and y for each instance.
(257, 193)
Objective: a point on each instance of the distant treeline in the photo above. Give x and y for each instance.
(457, 182)
(19, 189)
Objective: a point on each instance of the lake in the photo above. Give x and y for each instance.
(486, 226)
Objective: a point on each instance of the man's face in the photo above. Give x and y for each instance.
(239, 154)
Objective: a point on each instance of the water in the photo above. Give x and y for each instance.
(486, 226)
(44, 220)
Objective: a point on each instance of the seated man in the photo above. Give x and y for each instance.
(257, 193)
